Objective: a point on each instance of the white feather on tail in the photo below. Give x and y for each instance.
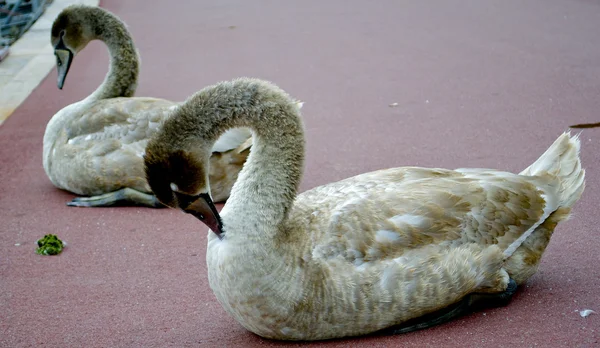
(561, 162)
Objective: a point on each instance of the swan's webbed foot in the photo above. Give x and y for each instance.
(123, 197)
(481, 301)
(470, 304)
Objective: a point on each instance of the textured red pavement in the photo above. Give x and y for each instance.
(478, 83)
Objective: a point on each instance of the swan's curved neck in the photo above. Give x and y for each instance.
(268, 183)
(122, 77)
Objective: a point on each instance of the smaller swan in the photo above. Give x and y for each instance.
(95, 147)
(363, 254)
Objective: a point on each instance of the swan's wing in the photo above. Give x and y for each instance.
(232, 139)
(126, 120)
(383, 214)
(101, 148)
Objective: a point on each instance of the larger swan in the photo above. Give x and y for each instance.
(94, 147)
(362, 254)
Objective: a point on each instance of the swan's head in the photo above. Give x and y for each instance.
(179, 179)
(70, 34)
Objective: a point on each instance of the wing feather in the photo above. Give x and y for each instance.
(382, 215)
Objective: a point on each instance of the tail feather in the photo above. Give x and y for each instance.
(561, 160)
(559, 168)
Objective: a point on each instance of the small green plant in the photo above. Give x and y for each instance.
(49, 245)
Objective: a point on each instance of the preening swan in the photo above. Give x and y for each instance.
(359, 255)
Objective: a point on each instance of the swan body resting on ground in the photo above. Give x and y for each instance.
(363, 254)
(95, 147)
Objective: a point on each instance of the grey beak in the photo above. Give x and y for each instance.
(63, 63)
(64, 57)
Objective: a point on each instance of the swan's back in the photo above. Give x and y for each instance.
(378, 216)
(97, 147)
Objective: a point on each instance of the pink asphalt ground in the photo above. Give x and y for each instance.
(478, 84)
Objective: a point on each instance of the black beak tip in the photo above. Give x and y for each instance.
(203, 208)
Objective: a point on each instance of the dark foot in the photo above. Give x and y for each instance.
(478, 302)
(470, 304)
(123, 197)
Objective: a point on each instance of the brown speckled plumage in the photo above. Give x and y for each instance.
(362, 254)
